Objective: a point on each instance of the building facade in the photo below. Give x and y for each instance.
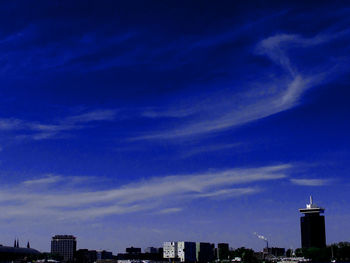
(312, 225)
(186, 251)
(170, 250)
(65, 246)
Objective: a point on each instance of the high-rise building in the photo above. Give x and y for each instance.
(65, 246)
(186, 251)
(204, 252)
(223, 251)
(312, 224)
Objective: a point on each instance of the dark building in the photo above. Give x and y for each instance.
(86, 256)
(223, 251)
(65, 246)
(9, 254)
(312, 224)
(134, 254)
(204, 252)
(151, 250)
(103, 254)
(133, 250)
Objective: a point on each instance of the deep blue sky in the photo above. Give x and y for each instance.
(137, 122)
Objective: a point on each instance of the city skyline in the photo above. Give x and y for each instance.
(130, 124)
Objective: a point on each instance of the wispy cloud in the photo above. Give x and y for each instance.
(154, 194)
(59, 181)
(38, 130)
(262, 98)
(50, 179)
(230, 192)
(310, 182)
(170, 210)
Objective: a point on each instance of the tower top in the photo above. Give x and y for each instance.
(311, 204)
(311, 208)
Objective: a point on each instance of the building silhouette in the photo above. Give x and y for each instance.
(11, 254)
(312, 224)
(86, 256)
(204, 252)
(223, 251)
(65, 246)
(133, 250)
(151, 250)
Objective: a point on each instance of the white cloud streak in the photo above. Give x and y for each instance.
(231, 192)
(310, 182)
(170, 210)
(39, 131)
(154, 194)
(51, 179)
(281, 93)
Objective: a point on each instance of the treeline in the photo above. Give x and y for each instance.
(247, 255)
(339, 251)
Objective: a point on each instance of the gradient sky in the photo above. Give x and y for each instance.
(137, 122)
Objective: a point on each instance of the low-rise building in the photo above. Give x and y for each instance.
(86, 256)
(133, 250)
(151, 250)
(103, 254)
(10, 254)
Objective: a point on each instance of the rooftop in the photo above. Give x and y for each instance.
(18, 250)
(311, 208)
(63, 237)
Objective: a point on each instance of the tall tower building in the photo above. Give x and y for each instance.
(65, 246)
(204, 252)
(312, 224)
(223, 251)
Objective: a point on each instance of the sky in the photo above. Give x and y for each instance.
(131, 123)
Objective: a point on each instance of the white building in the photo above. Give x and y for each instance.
(184, 251)
(170, 250)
